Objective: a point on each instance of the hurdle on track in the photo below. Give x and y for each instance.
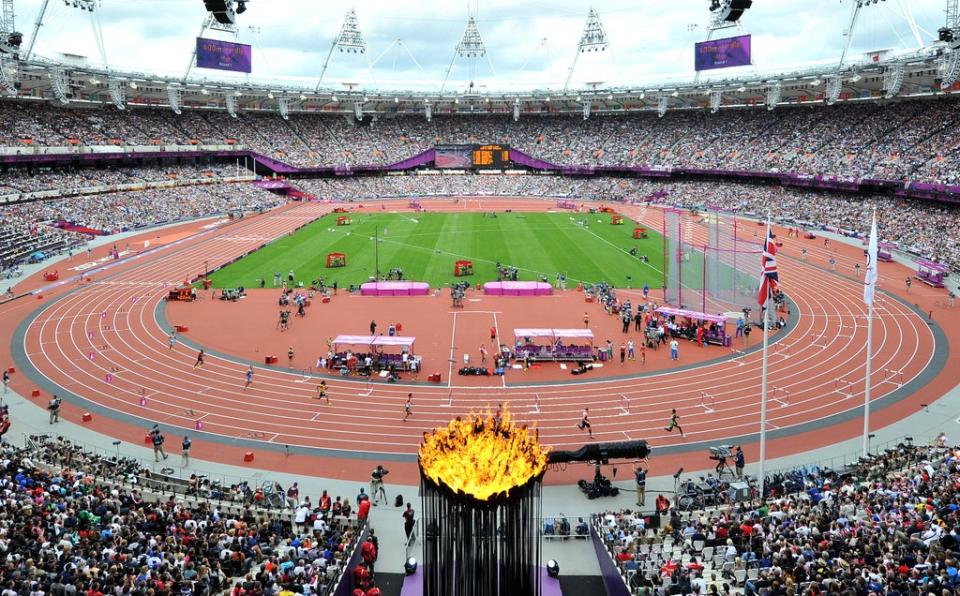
(368, 388)
(892, 375)
(783, 349)
(846, 331)
(624, 405)
(738, 358)
(819, 341)
(305, 375)
(781, 395)
(536, 404)
(707, 402)
(449, 403)
(843, 387)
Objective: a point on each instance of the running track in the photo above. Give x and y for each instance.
(101, 345)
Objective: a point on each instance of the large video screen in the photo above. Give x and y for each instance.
(223, 55)
(722, 53)
(454, 156)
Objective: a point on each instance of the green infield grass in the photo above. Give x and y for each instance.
(584, 247)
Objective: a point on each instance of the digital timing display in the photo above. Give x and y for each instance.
(491, 156)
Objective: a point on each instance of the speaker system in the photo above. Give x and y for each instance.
(737, 8)
(222, 11)
(730, 10)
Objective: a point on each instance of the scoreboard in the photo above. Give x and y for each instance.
(464, 157)
(491, 156)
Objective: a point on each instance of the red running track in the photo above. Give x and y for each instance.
(102, 343)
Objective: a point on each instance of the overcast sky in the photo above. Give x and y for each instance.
(530, 44)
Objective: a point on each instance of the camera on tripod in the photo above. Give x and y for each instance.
(721, 454)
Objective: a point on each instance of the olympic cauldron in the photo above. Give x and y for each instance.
(480, 479)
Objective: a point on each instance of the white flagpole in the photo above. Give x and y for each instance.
(868, 292)
(763, 383)
(866, 391)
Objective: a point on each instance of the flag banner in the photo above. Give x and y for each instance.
(768, 269)
(870, 281)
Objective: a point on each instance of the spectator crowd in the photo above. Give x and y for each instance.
(888, 525)
(73, 181)
(906, 140)
(71, 523)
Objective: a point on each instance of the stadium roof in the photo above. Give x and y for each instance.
(76, 80)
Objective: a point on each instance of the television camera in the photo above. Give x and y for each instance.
(721, 454)
(601, 454)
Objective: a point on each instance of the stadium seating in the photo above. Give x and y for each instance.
(887, 525)
(893, 140)
(75, 522)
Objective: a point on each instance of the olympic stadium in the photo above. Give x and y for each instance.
(420, 299)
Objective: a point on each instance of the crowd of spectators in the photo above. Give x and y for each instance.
(887, 140)
(71, 181)
(27, 228)
(888, 525)
(69, 524)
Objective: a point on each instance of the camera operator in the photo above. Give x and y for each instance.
(376, 484)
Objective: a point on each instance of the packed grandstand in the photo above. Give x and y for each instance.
(909, 140)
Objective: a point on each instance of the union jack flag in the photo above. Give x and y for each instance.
(768, 269)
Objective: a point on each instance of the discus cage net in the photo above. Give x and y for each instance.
(711, 260)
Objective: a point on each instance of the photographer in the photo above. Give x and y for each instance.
(376, 484)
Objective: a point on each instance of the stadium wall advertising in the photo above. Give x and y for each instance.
(224, 55)
(722, 53)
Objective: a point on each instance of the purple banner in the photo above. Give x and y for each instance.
(223, 55)
(524, 159)
(722, 53)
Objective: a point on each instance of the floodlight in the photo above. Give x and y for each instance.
(410, 566)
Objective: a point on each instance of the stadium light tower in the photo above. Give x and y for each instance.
(10, 38)
(593, 39)
(471, 47)
(10, 41)
(905, 13)
(348, 41)
(90, 6)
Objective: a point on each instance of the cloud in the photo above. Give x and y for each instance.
(530, 44)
